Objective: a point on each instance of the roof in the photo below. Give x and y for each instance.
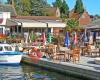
(53, 23)
(75, 15)
(93, 24)
(8, 8)
(35, 23)
(72, 14)
(38, 17)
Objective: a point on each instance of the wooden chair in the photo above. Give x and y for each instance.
(87, 50)
(75, 55)
(61, 53)
(90, 50)
(51, 51)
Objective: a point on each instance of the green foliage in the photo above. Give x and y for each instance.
(64, 9)
(38, 7)
(49, 13)
(22, 7)
(58, 3)
(30, 7)
(79, 6)
(72, 24)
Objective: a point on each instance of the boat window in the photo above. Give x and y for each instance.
(1, 48)
(8, 48)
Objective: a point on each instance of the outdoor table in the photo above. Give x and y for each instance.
(66, 52)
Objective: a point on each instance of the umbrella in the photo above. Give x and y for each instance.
(85, 36)
(49, 37)
(43, 38)
(31, 36)
(91, 38)
(67, 40)
(75, 38)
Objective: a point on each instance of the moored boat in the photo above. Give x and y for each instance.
(8, 55)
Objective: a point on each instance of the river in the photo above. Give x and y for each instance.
(29, 72)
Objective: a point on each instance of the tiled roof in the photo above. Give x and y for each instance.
(94, 24)
(38, 17)
(72, 14)
(8, 8)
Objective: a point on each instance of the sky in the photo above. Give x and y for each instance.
(91, 6)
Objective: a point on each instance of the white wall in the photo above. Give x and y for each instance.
(4, 16)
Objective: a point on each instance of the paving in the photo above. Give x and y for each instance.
(86, 67)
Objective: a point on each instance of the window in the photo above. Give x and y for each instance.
(8, 48)
(1, 48)
(1, 30)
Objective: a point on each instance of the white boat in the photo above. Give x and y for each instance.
(8, 55)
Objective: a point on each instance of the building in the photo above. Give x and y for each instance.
(27, 24)
(83, 18)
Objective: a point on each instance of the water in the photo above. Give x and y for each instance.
(28, 72)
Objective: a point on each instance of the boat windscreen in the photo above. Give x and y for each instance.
(8, 48)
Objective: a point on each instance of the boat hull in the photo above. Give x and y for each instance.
(10, 59)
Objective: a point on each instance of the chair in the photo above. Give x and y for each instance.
(91, 50)
(51, 51)
(75, 55)
(62, 53)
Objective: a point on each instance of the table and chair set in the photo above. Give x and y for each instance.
(62, 53)
(65, 54)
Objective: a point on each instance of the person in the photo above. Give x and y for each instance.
(39, 54)
(35, 53)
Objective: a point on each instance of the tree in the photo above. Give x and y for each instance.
(9, 1)
(25, 7)
(22, 6)
(79, 7)
(64, 9)
(58, 3)
(38, 7)
(72, 24)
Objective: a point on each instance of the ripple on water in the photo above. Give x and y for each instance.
(28, 72)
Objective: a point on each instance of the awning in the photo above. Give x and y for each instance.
(25, 23)
(93, 27)
(54, 23)
(35, 23)
(12, 22)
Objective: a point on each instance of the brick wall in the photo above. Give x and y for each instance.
(84, 19)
